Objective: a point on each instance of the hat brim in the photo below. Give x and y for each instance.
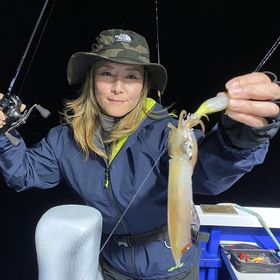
(81, 62)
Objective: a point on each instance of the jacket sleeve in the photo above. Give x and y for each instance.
(220, 164)
(23, 167)
(246, 137)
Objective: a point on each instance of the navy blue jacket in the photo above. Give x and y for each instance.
(110, 188)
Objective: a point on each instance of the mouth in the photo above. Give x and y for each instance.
(118, 101)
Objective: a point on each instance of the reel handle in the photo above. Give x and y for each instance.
(43, 111)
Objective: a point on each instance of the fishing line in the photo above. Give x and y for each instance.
(157, 44)
(128, 206)
(132, 200)
(157, 32)
(268, 54)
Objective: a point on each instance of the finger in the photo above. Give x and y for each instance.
(2, 119)
(222, 93)
(257, 108)
(251, 78)
(22, 107)
(261, 91)
(248, 119)
(2, 116)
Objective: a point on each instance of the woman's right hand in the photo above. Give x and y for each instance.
(2, 115)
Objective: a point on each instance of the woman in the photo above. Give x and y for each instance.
(114, 135)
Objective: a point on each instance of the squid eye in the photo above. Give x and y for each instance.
(187, 148)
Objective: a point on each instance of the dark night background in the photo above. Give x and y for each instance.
(202, 44)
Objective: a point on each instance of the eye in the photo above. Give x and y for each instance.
(187, 148)
(132, 77)
(106, 74)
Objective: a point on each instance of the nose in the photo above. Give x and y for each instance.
(117, 86)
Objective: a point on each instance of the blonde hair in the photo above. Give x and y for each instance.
(82, 114)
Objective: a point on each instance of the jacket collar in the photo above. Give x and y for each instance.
(150, 104)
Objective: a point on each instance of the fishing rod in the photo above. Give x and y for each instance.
(11, 104)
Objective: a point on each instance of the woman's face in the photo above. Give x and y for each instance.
(118, 87)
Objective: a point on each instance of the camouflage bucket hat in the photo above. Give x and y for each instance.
(120, 46)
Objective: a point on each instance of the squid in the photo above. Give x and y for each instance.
(183, 150)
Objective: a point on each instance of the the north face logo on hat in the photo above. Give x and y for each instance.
(122, 37)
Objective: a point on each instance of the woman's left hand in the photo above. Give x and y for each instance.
(250, 99)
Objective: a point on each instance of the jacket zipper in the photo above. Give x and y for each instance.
(107, 178)
(111, 197)
(119, 215)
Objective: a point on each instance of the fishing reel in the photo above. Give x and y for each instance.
(10, 105)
